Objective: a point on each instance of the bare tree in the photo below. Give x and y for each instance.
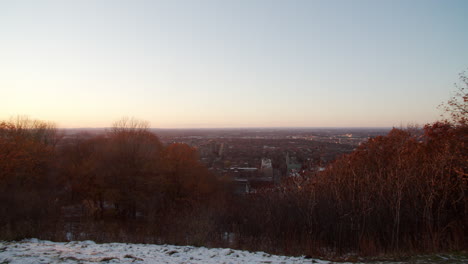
(34, 129)
(129, 124)
(457, 106)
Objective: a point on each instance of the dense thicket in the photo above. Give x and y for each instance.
(400, 192)
(27, 183)
(404, 191)
(121, 185)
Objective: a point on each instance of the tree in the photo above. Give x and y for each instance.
(187, 180)
(457, 106)
(28, 186)
(130, 165)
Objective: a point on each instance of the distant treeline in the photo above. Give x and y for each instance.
(403, 192)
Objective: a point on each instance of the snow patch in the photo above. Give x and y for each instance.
(32, 251)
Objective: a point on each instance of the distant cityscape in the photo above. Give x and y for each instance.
(261, 158)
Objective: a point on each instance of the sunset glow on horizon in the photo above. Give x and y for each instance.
(217, 64)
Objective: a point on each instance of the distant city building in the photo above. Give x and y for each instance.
(292, 164)
(241, 186)
(221, 150)
(266, 168)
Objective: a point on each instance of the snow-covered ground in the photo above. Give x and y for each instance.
(33, 251)
(39, 251)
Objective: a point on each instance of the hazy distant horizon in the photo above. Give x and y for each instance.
(231, 128)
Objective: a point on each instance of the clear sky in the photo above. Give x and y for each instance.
(238, 63)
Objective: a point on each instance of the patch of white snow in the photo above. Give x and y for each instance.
(34, 251)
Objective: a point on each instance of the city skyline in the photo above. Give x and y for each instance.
(225, 64)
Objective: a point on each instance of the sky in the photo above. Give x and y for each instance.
(238, 63)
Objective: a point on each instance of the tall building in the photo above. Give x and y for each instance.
(266, 168)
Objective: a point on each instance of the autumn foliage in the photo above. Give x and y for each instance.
(403, 192)
(125, 177)
(26, 179)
